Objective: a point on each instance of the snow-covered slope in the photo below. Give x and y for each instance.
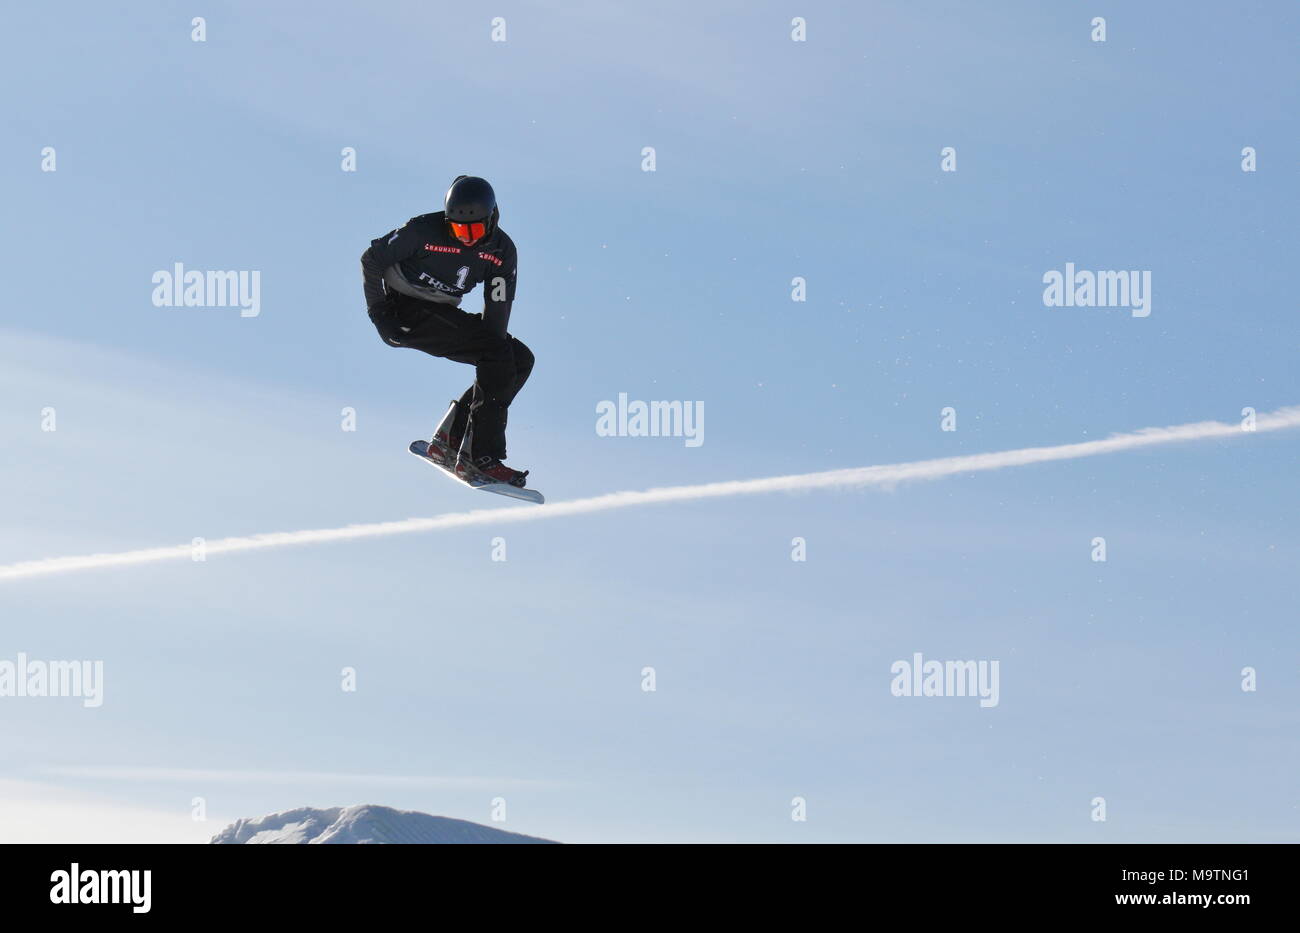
(365, 823)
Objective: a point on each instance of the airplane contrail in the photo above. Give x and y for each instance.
(884, 475)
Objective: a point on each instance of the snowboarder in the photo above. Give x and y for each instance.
(414, 279)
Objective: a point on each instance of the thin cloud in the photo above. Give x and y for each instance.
(888, 475)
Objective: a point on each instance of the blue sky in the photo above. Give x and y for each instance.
(521, 679)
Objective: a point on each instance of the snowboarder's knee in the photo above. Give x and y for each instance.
(524, 358)
(496, 350)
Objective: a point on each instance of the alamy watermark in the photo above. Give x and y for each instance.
(921, 678)
(208, 289)
(32, 678)
(79, 885)
(651, 419)
(1105, 289)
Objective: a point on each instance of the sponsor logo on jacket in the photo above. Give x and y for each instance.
(429, 280)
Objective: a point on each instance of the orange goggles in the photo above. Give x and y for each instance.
(469, 234)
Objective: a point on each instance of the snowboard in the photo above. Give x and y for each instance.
(421, 450)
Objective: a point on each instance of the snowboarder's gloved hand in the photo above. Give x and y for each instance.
(383, 307)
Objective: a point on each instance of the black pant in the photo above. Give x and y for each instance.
(501, 364)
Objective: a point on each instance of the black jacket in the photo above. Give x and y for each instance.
(422, 260)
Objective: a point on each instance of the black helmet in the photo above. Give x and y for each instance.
(471, 208)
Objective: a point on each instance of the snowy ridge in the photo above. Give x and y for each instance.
(363, 824)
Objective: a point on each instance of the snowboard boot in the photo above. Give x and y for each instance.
(489, 469)
(445, 446)
(486, 469)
